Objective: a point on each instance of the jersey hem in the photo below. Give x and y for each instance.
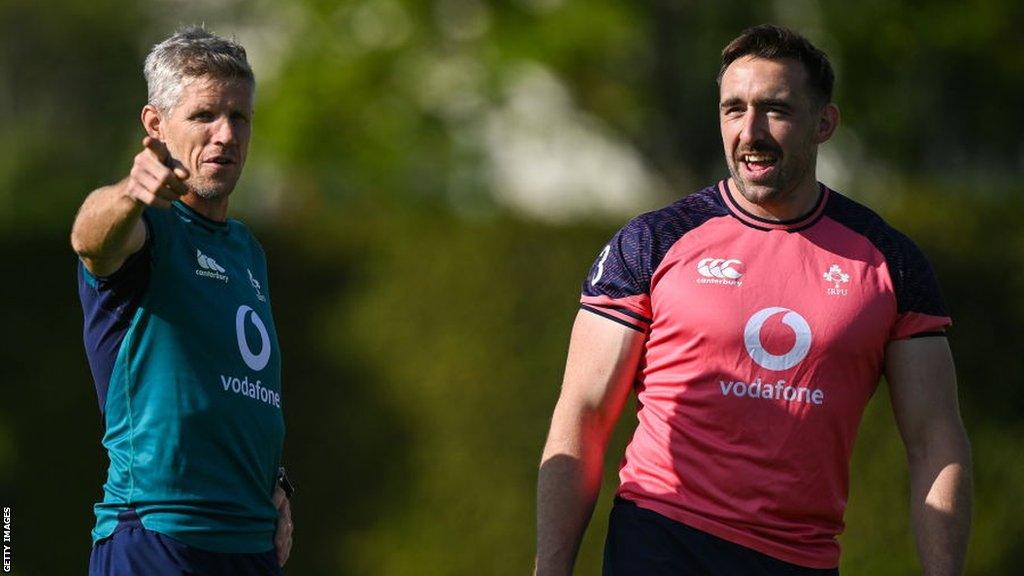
(737, 537)
(157, 526)
(152, 526)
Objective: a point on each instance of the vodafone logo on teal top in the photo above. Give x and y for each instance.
(256, 361)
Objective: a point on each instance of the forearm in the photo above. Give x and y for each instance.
(106, 226)
(602, 362)
(567, 488)
(940, 476)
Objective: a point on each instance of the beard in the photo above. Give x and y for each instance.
(761, 192)
(208, 190)
(790, 174)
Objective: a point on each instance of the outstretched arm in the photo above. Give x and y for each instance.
(922, 384)
(601, 365)
(108, 228)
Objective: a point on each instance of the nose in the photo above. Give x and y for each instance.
(755, 126)
(225, 133)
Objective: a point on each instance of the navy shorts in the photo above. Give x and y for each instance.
(644, 543)
(135, 551)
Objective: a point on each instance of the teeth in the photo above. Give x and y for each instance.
(758, 158)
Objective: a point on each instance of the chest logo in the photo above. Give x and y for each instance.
(836, 276)
(793, 328)
(256, 361)
(209, 268)
(256, 286)
(720, 271)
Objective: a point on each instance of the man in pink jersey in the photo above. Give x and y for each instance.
(754, 319)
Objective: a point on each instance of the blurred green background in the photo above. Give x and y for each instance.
(431, 180)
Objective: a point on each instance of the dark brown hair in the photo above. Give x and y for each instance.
(775, 42)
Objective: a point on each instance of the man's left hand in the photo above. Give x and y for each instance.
(283, 535)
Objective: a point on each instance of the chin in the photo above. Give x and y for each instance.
(213, 192)
(760, 193)
(756, 193)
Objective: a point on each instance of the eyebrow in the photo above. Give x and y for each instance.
(776, 102)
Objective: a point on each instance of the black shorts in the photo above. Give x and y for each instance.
(644, 543)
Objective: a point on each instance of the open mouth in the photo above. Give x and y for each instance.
(759, 163)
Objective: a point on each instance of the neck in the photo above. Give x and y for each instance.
(788, 206)
(215, 209)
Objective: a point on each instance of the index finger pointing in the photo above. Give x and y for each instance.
(179, 169)
(157, 147)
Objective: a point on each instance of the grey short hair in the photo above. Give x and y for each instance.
(190, 53)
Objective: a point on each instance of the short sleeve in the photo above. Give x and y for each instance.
(921, 310)
(108, 304)
(618, 285)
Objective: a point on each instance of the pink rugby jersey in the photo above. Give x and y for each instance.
(765, 341)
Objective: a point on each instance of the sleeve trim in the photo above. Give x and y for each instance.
(940, 333)
(631, 314)
(613, 318)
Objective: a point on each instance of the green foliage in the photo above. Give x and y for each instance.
(424, 324)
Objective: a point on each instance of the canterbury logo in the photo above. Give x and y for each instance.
(208, 263)
(209, 268)
(730, 269)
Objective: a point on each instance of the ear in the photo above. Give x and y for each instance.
(828, 121)
(152, 121)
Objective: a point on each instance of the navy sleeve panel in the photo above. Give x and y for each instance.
(626, 265)
(917, 288)
(109, 303)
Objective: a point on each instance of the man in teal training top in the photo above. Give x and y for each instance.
(180, 336)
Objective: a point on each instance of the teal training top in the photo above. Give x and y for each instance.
(185, 357)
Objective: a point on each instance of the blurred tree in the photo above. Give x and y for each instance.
(431, 180)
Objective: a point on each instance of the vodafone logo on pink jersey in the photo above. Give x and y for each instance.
(754, 340)
(789, 331)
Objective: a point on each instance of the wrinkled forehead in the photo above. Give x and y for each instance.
(208, 90)
(209, 84)
(751, 78)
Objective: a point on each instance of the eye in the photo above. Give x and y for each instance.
(202, 116)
